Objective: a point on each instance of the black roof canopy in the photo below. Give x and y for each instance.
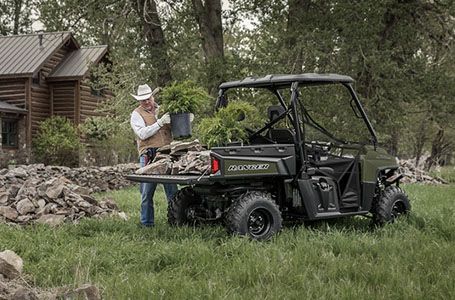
(282, 81)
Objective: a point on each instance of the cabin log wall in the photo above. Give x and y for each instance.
(41, 93)
(13, 91)
(89, 103)
(63, 99)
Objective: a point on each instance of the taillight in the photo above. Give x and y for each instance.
(215, 165)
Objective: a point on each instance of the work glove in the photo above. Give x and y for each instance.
(165, 119)
(191, 117)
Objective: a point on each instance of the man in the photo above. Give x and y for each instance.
(151, 134)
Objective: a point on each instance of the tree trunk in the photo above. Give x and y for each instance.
(393, 142)
(154, 35)
(420, 140)
(439, 148)
(298, 13)
(17, 15)
(208, 18)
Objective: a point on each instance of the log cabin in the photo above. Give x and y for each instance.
(43, 75)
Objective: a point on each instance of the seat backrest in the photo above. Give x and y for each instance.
(281, 135)
(274, 111)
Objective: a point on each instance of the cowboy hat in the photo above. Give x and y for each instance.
(144, 92)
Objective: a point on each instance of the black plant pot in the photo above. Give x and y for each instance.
(181, 125)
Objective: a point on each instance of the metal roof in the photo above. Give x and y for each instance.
(287, 80)
(78, 62)
(6, 107)
(22, 55)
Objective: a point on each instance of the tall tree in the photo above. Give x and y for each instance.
(208, 17)
(15, 16)
(154, 35)
(298, 14)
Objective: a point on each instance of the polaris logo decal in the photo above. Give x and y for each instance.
(234, 168)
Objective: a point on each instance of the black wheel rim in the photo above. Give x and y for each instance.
(259, 222)
(190, 213)
(398, 209)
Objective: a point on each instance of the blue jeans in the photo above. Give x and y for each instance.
(147, 190)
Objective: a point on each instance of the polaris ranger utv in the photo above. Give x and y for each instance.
(281, 173)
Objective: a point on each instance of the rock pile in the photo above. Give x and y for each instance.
(96, 179)
(52, 195)
(13, 286)
(414, 174)
(179, 158)
(51, 201)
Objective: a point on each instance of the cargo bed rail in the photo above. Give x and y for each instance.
(177, 179)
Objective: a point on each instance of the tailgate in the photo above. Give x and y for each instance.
(177, 179)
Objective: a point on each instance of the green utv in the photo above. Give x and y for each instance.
(292, 168)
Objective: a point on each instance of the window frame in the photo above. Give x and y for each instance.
(9, 132)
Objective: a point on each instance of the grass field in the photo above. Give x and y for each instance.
(446, 172)
(411, 259)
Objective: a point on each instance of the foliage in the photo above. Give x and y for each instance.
(98, 128)
(181, 97)
(225, 127)
(108, 141)
(343, 258)
(401, 53)
(117, 147)
(57, 142)
(16, 16)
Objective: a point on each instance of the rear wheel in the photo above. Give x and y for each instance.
(182, 208)
(392, 204)
(254, 215)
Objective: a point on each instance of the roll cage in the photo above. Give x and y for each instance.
(274, 83)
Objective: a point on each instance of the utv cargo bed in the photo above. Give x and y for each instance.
(177, 179)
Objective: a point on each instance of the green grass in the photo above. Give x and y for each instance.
(447, 173)
(411, 259)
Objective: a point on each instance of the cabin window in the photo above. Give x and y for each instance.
(9, 133)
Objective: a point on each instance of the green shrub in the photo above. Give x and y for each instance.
(98, 128)
(225, 127)
(108, 141)
(57, 142)
(183, 97)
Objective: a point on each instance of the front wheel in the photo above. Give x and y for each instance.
(392, 204)
(254, 215)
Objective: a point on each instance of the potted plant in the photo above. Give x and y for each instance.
(181, 100)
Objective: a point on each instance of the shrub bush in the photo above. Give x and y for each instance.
(57, 142)
(98, 128)
(183, 97)
(225, 127)
(108, 141)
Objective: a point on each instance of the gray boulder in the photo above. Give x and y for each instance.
(8, 212)
(10, 264)
(25, 206)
